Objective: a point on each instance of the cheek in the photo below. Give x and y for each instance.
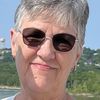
(24, 52)
(66, 61)
(28, 53)
(24, 55)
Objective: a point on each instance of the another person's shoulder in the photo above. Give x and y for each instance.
(9, 98)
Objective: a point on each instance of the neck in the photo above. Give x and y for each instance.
(54, 95)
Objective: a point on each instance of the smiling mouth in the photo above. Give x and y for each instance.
(43, 67)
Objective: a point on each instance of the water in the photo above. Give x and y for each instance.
(87, 98)
(9, 92)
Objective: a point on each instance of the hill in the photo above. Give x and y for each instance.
(85, 79)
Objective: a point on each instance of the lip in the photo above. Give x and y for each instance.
(41, 66)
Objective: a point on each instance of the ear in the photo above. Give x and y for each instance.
(79, 53)
(13, 42)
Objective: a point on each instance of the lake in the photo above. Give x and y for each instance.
(9, 92)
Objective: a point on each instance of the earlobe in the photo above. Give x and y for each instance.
(13, 43)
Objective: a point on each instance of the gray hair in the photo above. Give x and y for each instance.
(62, 12)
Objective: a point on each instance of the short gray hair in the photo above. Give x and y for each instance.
(62, 12)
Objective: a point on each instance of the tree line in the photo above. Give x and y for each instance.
(85, 79)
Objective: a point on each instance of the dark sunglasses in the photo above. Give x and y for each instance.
(62, 42)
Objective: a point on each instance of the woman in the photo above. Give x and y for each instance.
(46, 43)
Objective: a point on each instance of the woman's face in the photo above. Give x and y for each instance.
(43, 68)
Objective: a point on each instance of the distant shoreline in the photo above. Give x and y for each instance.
(9, 87)
(74, 94)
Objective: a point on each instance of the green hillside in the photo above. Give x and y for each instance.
(85, 79)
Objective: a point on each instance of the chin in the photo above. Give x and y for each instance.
(40, 87)
(40, 80)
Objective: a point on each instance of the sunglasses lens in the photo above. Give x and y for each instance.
(63, 42)
(33, 37)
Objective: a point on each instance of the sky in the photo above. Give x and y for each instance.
(92, 39)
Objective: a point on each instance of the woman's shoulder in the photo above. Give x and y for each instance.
(9, 98)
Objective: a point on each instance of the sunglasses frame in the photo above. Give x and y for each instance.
(49, 38)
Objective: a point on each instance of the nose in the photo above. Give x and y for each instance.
(46, 51)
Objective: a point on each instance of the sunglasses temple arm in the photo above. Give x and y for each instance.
(80, 45)
(18, 31)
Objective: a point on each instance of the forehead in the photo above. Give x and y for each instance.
(47, 25)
